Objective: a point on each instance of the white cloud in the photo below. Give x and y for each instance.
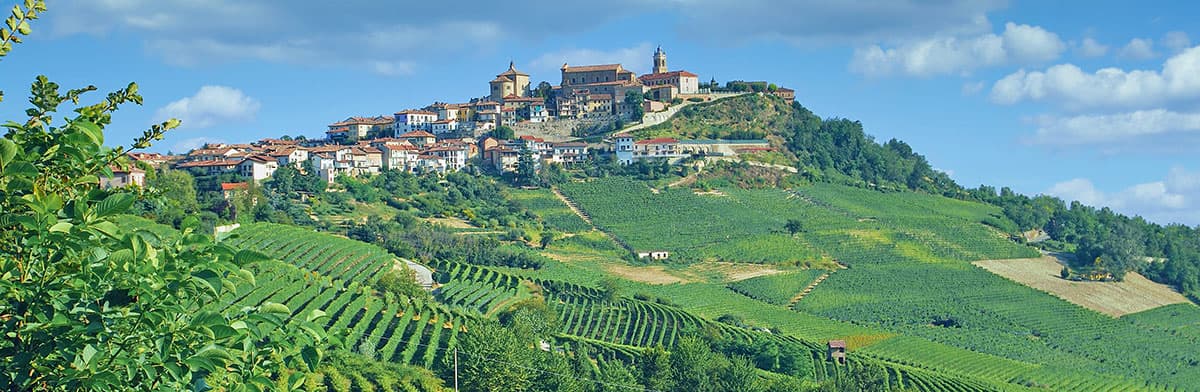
(186, 145)
(973, 88)
(1138, 49)
(1175, 199)
(633, 58)
(1091, 48)
(1017, 44)
(1177, 41)
(1073, 88)
(1113, 128)
(210, 106)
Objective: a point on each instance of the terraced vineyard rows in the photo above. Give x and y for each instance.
(475, 289)
(333, 256)
(398, 330)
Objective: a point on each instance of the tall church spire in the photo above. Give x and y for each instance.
(660, 61)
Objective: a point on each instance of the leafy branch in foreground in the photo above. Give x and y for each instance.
(86, 304)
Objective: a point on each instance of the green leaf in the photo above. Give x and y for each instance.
(315, 314)
(246, 256)
(90, 129)
(311, 357)
(23, 28)
(88, 353)
(61, 227)
(272, 307)
(20, 169)
(207, 318)
(209, 280)
(113, 204)
(8, 150)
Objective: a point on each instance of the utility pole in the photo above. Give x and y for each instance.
(456, 369)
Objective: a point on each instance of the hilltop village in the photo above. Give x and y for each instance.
(562, 124)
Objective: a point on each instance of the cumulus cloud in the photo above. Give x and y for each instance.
(633, 58)
(211, 105)
(1074, 88)
(1177, 41)
(1174, 199)
(1091, 48)
(1138, 49)
(1017, 44)
(1113, 128)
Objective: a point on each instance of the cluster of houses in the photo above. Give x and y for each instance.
(445, 137)
(584, 91)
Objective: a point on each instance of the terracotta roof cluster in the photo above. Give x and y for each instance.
(209, 163)
(666, 75)
(413, 134)
(413, 111)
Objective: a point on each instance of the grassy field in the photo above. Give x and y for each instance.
(1135, 294)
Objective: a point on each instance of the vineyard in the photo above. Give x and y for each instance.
(553, 213)
(341, 258)
(776, 289)
(394, 329)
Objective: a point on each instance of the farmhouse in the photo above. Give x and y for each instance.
(837, 351)
(122, 177)
(655, 255)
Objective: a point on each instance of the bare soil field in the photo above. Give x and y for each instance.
(1115, 299)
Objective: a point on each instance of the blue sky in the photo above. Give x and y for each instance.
(1090, 101)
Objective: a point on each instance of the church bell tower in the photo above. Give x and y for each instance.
(660, 61)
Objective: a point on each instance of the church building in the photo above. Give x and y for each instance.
(511, 82)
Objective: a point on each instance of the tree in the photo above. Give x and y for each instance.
(526, 169)
(90, 305)
(634, 99)
(794, 226)
(492, 359)
(547, 238)
(654, 369)
(503, 132)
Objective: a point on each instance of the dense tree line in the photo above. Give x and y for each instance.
(505, 357)
(837, 149)
(1101, 238)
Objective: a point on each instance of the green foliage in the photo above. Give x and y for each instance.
(504, 132)
(401, 282)
(91, 305)
(553, 213)
(776, 289)
(634, 99)
(493, 359)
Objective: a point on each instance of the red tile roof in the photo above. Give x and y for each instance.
(661, 140)
(428, 113)
(421, 134)
(532, 138)
(209, 163)
(229, 186)
(667, 75)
